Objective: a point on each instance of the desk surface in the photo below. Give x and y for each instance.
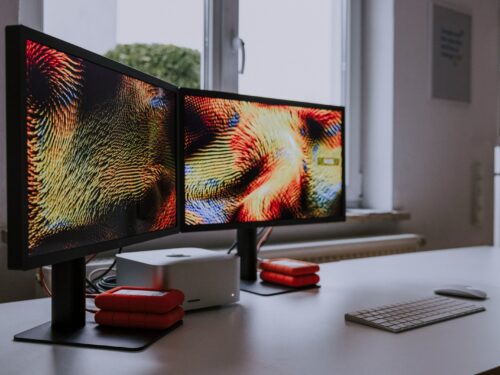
(298, 333)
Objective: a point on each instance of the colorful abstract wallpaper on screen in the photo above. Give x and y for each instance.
(248, 161)
(100, 153)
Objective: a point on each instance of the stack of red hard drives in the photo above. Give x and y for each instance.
(290, 272)
(133, 307)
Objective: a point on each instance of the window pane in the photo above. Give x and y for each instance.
(161, 37)
(293, 49)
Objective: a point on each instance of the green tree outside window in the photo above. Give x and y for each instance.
(177, 65)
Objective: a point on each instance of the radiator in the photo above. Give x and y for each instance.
(333, 250)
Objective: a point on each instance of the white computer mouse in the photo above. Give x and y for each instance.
(464, 291)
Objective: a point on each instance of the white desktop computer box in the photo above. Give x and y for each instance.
(207, 278)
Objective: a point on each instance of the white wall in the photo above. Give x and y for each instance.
(443, 150)
(8, 16)
(13, 284)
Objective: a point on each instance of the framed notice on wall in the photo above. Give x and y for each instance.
(451, 54)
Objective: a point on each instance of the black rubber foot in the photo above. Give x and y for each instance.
(262, 288)
(95, 336)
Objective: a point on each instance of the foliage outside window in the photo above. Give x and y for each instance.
(177, 65)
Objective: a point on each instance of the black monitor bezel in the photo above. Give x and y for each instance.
(222, 226)
(17, 207)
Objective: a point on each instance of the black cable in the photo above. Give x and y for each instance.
(235, 243)
(108, 270)
(232, 247)
(92, 285)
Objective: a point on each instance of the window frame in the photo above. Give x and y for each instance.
(220, 54)
(221, 63)
(352, 86)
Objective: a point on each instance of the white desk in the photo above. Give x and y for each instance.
(298, 333)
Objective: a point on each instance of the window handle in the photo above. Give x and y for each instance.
(239, 44)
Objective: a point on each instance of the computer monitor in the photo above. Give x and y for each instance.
(252, 162)
(91, 154)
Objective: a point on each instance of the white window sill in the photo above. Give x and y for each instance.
(367, 215)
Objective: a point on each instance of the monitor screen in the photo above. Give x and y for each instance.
(98, 152)
(256, 161)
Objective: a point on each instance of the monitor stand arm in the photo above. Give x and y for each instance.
(69, 325)
(247, 251)
(68, 295)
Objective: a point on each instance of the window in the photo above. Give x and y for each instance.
(299, 60)
(292, 49)
(300, 50)
(162, 38)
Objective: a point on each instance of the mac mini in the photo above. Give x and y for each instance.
(207, 278)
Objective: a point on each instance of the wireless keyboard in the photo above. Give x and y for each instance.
(403, 316)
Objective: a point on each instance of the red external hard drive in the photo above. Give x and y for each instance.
(139, 300)
(295, 281)
(139, 320)
(290, 267)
